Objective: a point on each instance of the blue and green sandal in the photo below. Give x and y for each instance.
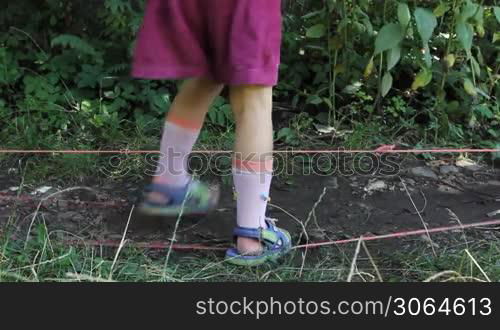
(196, 198)
(276, 243)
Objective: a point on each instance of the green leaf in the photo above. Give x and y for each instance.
(74, 42)
(496, 10)
(314, 99)
(470, 9)
(389, 37)
(393, 57)
(312, 14)
(386, 84)
(352, 88)
(469, 87)
(427, 55)
(449, 60)
(221, 119)
(441, 9)
(366, 21)
(426, 23)
(316, 31)
(496, 37)
(404, 15)
(479, 16)
(369, 68)
(422, 79)
(368, 25)
(212, 116)
(495, 134)
(328, 102)
(476, 66)
(484, 111)
(284, 133)
(465, 34)
(496, 155)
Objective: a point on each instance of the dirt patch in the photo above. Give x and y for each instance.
(330, 207)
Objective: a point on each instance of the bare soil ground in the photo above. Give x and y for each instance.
(329, 207)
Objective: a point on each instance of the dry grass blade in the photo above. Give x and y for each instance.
(311, 214)
(420, 216)
(354, 259)
(291, 216)
(372, 261)
(43, 200)
(14, 276)
(122, 243)
(455, 217)
(464, 279)
(477, 265)
(442, 274)
(83, 277)
(173, 239)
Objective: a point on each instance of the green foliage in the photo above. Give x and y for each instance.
(64, 72)
(433, 53)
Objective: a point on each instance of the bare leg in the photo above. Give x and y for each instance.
(252, 107)
(182, 127)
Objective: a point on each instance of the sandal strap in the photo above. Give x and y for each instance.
(175, 195)
(247, 232)
(269, 236)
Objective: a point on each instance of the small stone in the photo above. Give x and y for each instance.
(333, 183)
(424, 172)
(447, 189)
(493, 214)
(468, 165)
(378, 185)
(447, 169)
(410, 181)
(41, 190)
(71, 216)
(317, 234)
(429, 241)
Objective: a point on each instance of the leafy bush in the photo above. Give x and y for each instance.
(428, 71)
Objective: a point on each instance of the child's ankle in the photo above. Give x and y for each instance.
(249, 246)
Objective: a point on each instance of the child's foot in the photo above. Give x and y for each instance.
(195, 199)
(249, 246)
(258, 246)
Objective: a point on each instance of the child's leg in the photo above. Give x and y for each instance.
(182, 127)
(252, 168)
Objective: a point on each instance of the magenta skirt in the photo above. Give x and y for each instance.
(234, 42)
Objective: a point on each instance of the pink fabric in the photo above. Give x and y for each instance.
(231, 41)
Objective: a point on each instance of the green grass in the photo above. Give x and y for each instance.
(43, 259)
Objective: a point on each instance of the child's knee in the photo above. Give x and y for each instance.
(253, 98)
(200, 91)
(207, 85)
(251, 90)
